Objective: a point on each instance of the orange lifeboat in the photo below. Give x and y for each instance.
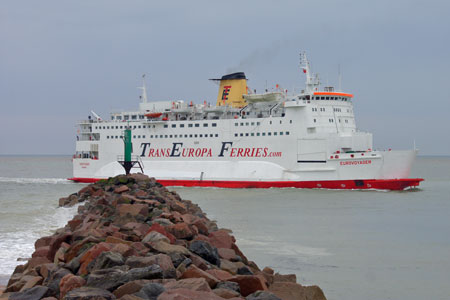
(153, 115)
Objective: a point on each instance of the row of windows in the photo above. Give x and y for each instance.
(167, 136)
(334, 109)
(322, 98)
(190, 125)
(123, 127)
(262, 133)
(332, 121)
(128, 117)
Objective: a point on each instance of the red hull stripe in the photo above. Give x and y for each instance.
(380, 184)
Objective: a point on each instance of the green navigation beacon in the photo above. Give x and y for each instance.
(127, 160)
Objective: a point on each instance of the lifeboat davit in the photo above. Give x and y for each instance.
(153, 115)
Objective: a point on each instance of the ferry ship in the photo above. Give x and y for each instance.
(247, 140)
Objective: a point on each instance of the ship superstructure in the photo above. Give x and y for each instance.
(273, 139)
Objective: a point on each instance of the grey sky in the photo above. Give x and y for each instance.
(60, 59)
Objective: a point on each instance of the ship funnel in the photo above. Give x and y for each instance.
(232, 88)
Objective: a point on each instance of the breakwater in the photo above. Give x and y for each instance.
(134, 239)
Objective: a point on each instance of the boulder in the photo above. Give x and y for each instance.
(194, 284)
(221, 239)
(154, 236)
(194, 272)
(121, 189)
(249, 284)
(53, 281)
(116, 240)
(70, 282)
(294, 291)
(226, 293)
(166, 248)
(151, 291)
(186, 294)
(108, 260)
(31, 282)
(89, 293)
(219, 274)
(205, 251)
(132, 209)
(263, 295)
(162, 260)
(130, 287)
(34, 293)
(90, 255)
(41, 251)
(181, 231)
(227, 253)
(159, 228)
(230, 285)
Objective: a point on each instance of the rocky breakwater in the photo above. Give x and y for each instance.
(133, 239)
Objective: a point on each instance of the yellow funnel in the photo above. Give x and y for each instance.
(232, 87)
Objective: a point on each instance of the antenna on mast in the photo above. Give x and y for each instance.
(340, 78)
(312, 80)
(143, 97)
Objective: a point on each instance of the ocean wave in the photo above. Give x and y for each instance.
(36, 180)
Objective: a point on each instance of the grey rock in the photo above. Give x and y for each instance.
(230, 285)
(35, 293)
(53, 280)
(244, 271)
(108, 260)
(205, 251)
(151, 272)
(89, 293)
(150, 291)
(176, 258)
(262, 295)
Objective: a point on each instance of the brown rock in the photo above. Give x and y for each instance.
(294, 291)
(68, 283)
(201, 226)
(221, 239)
(249, 284)
(41, 251)
(285, 278)
(226, 253)
(228, 266)
(116, 240)
(178, 206)
(31, 282)
(130, 297)
(219, 274)
(76, 247)
(268, 270)
(121, 189)
(130, 287)
(90, 255)
(180, 231)
(59, 255)
(46, 269)
(186, 294)
(56, 242)
(123, 249)
(159, 228)
(194, 284)
(132, 209)
(195, 272)
(42, 242)
(36, 261)
(166, 248)
(226, 293)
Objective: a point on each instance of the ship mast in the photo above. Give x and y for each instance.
(144, 90)
(312, 80)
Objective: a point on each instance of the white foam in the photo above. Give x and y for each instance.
(35, 180)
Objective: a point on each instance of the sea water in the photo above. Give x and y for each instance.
(353, 244)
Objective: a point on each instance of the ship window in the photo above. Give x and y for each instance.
(281, 132)
(107, 127)
(144, 126)
(253, 123)
(156, 136)
(241, 134)
(170, 136)
(290, 121)
(205, 124)
(315, 120)
(107, 136)
(139, 126)
(119, 118)
(195, 135)
(287, 132)
(165, 126)
(174, 125)
(258, 134)
(121, 127)
(211, 135)
(189, 125)
(161, 136)
(126, 117)
(190, 135)
(134, 127)
(242, 124)
(134, 136)
(165, 136)
(263, 134)
(235, 134)
(217, 135)
(141, 117)
(252, 134)
(133, 117)
(185, 135)
(246, 124)
(182, 125)
(151, 136)
(236, 124)
(214, 124)
(201, 135)
(270, 122)
(246, 134)
(257, 123)
(153, 126)
(176, 135)
(280, 121)
(197, 125)
(275, 133)
(269, 133)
